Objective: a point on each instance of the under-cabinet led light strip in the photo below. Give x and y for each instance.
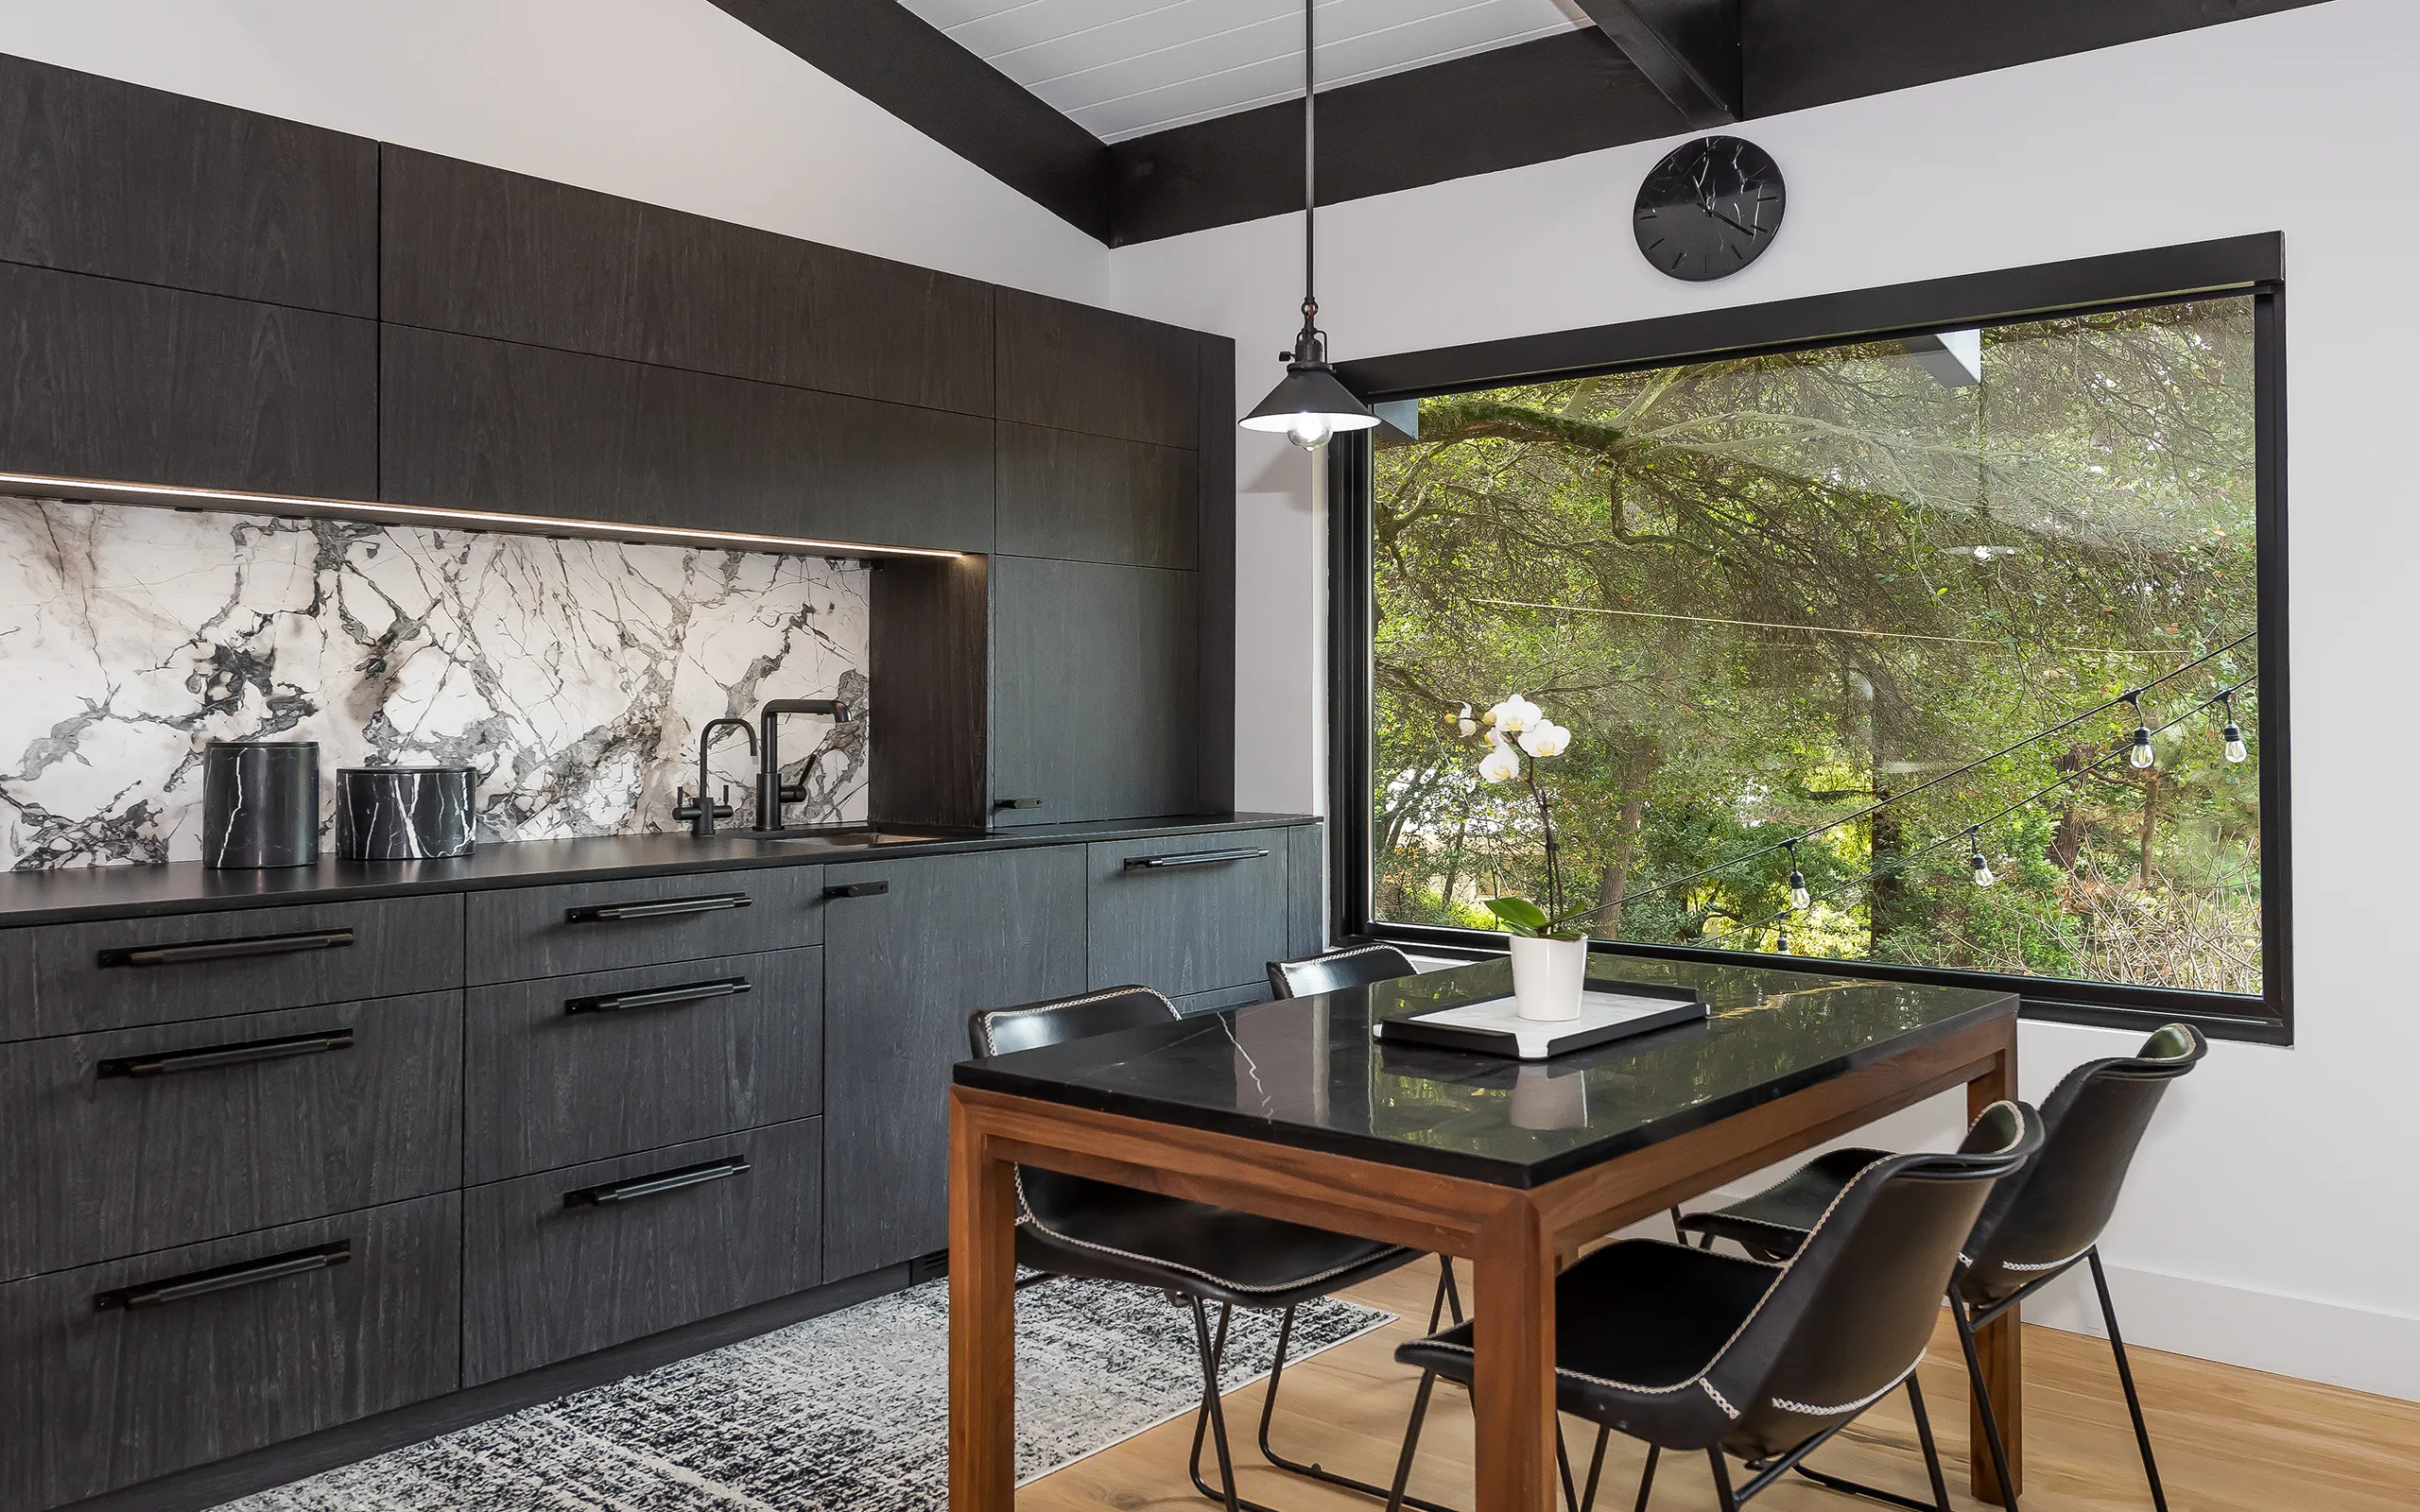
(169, 496)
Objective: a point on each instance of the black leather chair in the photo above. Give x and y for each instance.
(2036, 1227)
(1357, 966)
(1197, 1254)
(1756, 1360)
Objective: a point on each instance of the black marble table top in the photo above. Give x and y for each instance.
(1305, 1073)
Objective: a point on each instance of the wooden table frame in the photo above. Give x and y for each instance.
(1515, 1238)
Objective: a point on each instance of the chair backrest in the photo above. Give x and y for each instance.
(1338, 970)
(1032, 1026)
(1851, 1312)
(2092, 1122)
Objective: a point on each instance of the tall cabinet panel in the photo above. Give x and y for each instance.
(102, 177)
(1094, 670)
(1076, 369)
(912, 947)
(485, 253)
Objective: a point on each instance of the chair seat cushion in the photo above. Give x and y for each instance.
(1635, 1325)
(1774, 1222)
(1075, 1226)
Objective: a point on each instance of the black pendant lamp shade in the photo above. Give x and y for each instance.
(1311, 404)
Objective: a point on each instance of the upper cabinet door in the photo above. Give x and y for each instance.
(490, 253)
(102, 177)
(1095, 498)
(489, 424)
(100, 378)
(1077, 369)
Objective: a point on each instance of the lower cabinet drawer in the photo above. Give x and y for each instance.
(124, 1143)
(578, 1067)
(119, 1372)
(1186, 913)
(558, 1265)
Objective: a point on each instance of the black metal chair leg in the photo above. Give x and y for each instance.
(1452, 1289)
(1412, 1440)
(1596, 1470)
(1314, 1470)
(1723, 1493)
(1983, 1404)
(1562, 1466)
(1211, 1409)
(1646, 1477)
(1940, 1501)
(2126, 1379)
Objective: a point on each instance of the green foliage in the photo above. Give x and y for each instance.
(1753, 591)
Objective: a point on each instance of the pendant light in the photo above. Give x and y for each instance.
(1310, 404)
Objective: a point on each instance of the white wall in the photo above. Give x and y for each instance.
(670, 101)
(2272, 1218)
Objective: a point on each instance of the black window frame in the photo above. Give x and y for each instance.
(2252, 264)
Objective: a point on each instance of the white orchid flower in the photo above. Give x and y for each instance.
(1546, 738)
(1499, 764)
(1468, 726)
(1515, 715)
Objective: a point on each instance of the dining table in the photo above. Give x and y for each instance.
(1296, 1110)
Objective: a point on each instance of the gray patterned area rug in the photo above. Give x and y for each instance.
(845, 1411)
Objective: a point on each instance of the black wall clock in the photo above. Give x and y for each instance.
(1709, 208)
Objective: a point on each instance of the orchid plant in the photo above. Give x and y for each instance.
(1517, 729)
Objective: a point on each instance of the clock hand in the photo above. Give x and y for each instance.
(1752, 230)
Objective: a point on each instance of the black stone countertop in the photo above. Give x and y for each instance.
(75, 894)
(1305, 1073)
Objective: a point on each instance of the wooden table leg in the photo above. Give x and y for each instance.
(1998, 1344)
(1512, 1395)
(982, 1322)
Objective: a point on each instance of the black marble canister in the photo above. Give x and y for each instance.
(260, 803)
(403, 812)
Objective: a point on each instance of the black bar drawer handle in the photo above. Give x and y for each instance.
(209, 1058)
(224, 1278)
(1018, 803)
(1190, 858)
(857, 890)
(658, 908)
(229, 950)
(647, 1186)
(660, 997)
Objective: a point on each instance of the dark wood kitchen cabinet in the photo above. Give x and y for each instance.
(105, 379)
(904, 967)
(471, 422)
(486, 252)
(1074, 367)
(1096, 498)
(1188, 914)
(102, 177)
(1094, 706)
(97, 1393)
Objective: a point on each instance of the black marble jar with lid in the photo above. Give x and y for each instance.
(260, 803)
(404, 812)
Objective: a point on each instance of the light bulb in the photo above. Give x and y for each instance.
(1310, 431)
(2233, 736)
(1799, 896)
(2141, 755)
(1983, 877)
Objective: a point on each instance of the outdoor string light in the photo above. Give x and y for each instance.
(2141, 755)
(2233, 733)
(1799, 896)
(1983, 868)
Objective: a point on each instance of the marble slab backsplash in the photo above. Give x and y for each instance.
(572, 675)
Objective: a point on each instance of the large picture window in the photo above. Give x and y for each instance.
(1866, 611)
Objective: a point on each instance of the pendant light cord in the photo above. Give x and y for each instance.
(1310, 171)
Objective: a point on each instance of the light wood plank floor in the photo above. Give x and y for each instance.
(2229, 1439)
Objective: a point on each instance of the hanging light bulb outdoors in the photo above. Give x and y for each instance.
(1982, 868)
(1310, 404)
(2233, 733)
(2141, 755)
(1799, 896)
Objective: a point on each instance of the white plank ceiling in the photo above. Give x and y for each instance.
(1124, 68)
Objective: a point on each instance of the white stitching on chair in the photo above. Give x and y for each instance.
(1851, 1408)
(1728, 1410)
(2010, 1264)
(991, 1015)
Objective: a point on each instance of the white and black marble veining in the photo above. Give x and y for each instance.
(570, 675)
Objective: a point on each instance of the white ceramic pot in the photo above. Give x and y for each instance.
(1547, 976)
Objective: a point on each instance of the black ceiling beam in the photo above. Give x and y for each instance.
(1571, 93)
(895, 58)
(1688, 49)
